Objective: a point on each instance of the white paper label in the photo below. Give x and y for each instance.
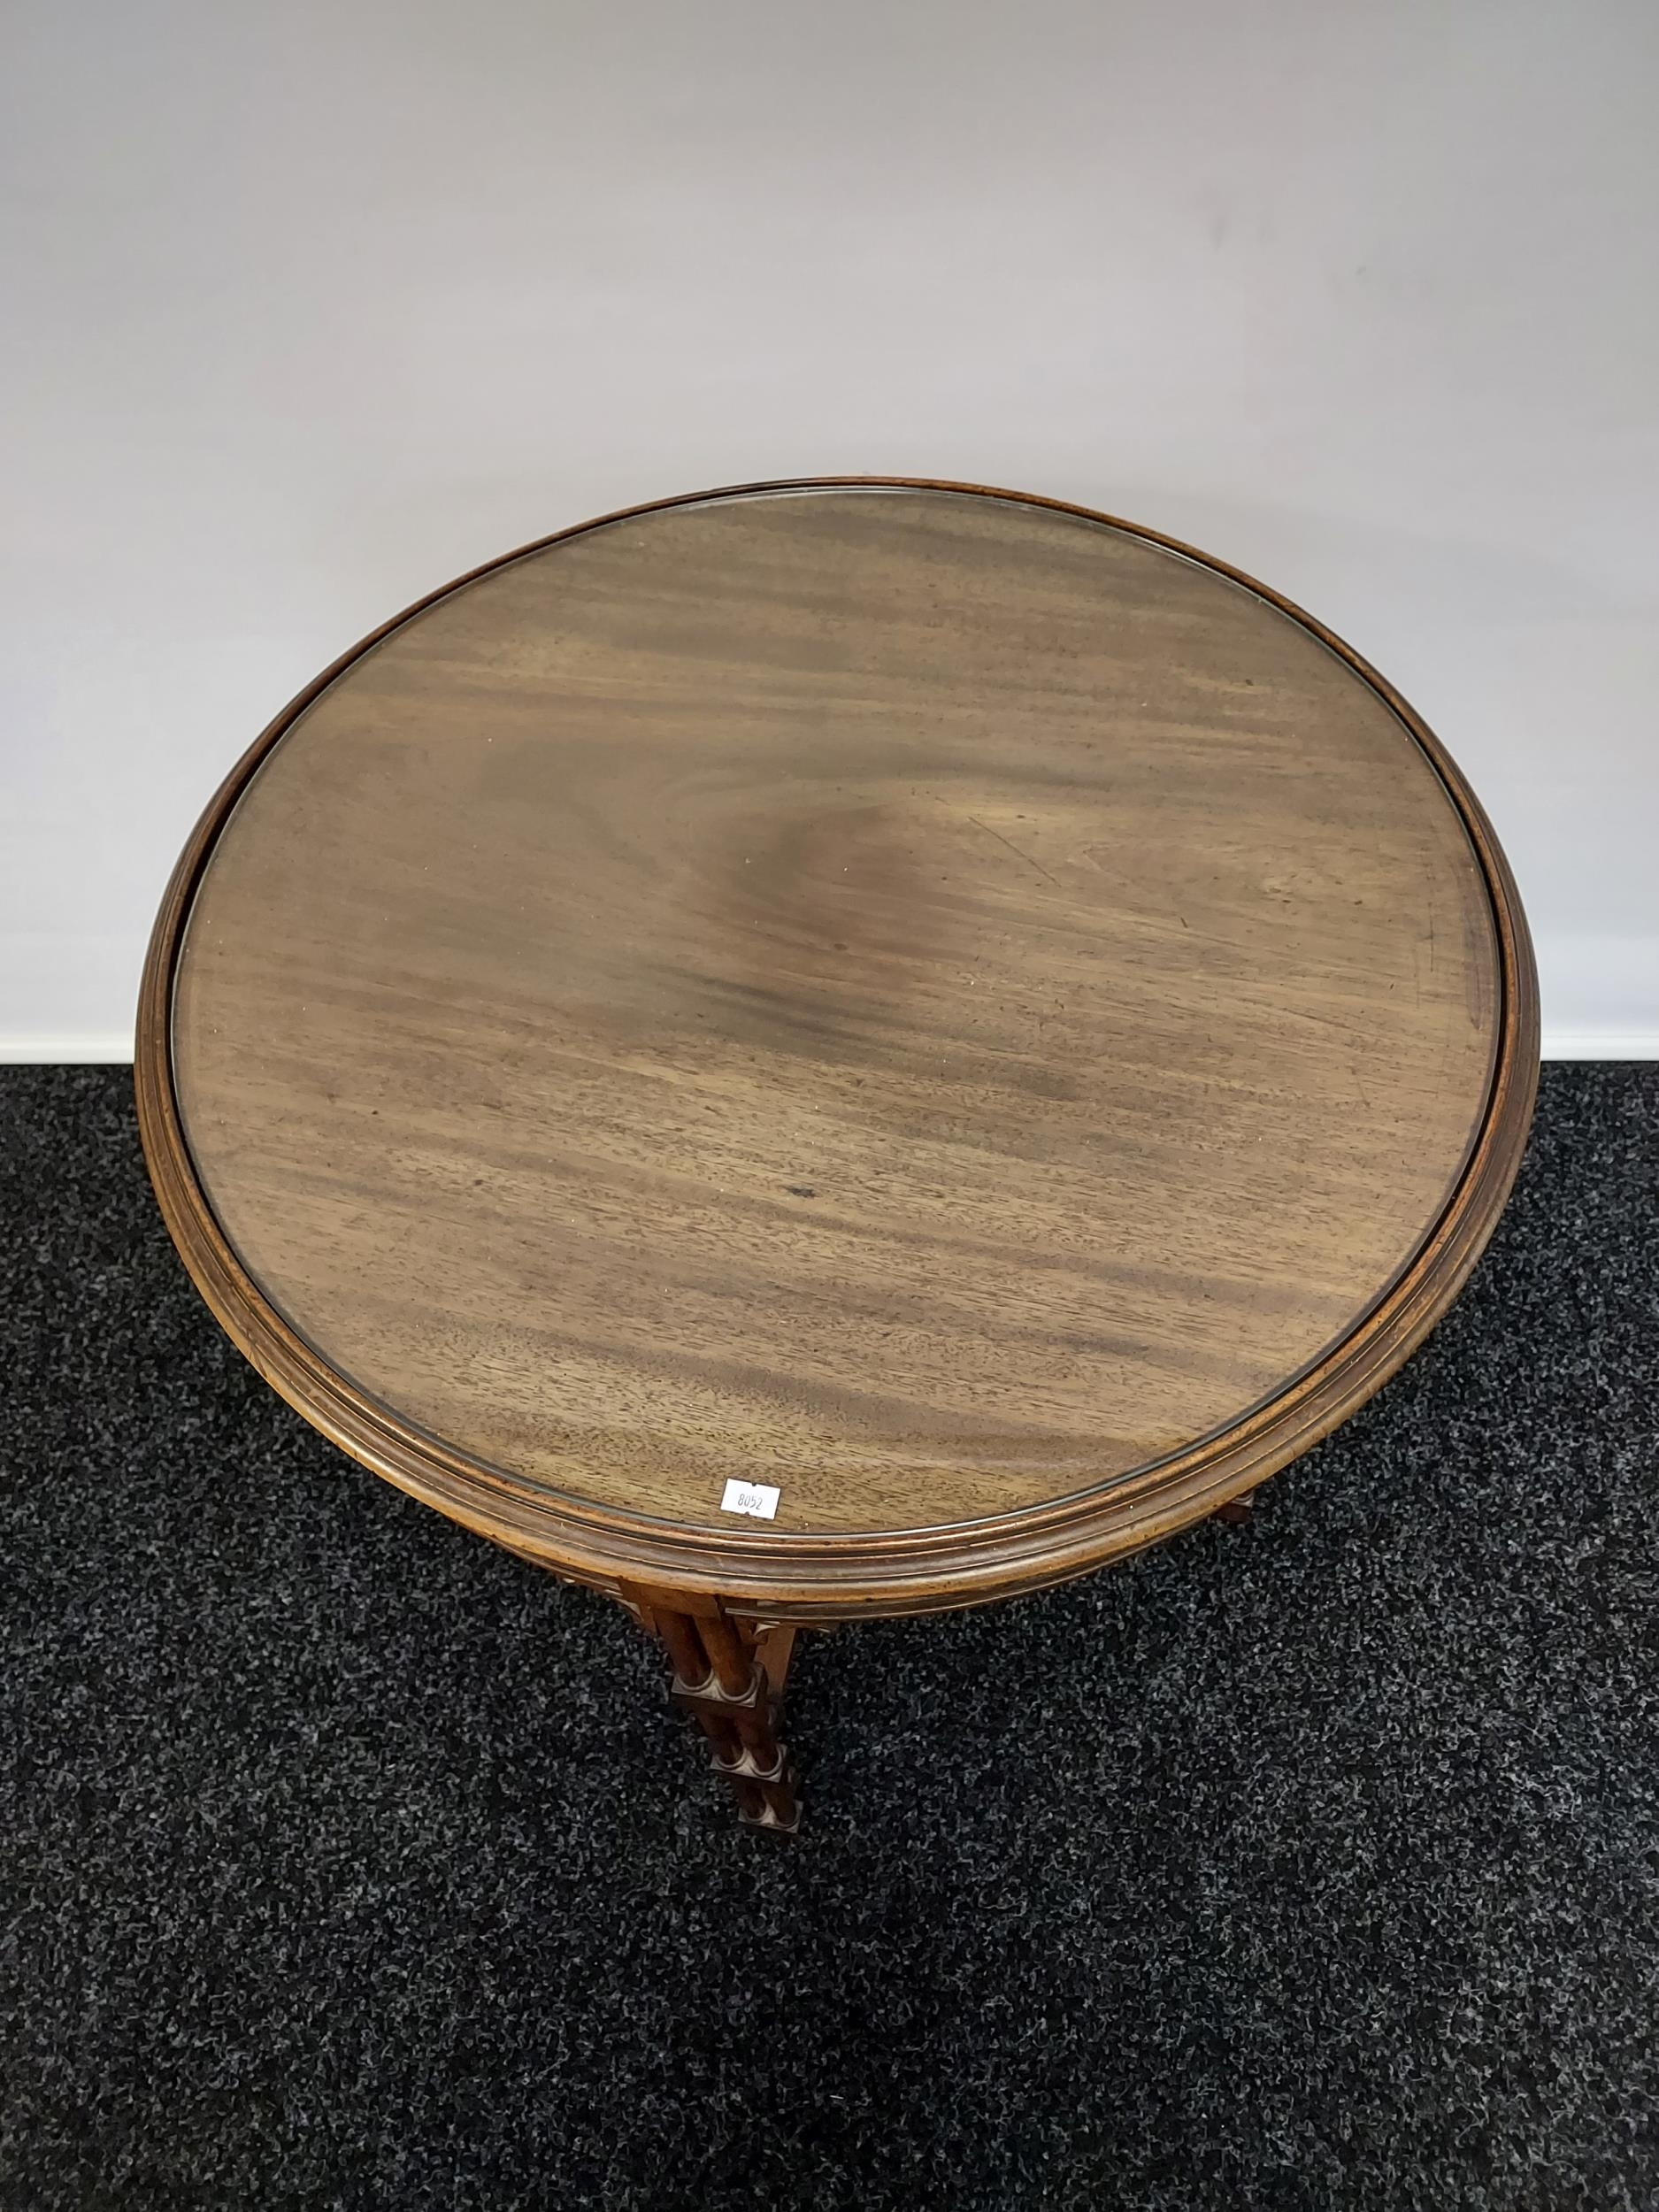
(757, 1497)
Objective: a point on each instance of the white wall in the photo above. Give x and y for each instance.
(311, 306)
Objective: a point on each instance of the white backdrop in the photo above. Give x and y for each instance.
(311, 306)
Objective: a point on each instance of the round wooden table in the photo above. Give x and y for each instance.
(836, 1048)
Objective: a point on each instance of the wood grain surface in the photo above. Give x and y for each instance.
(929, 1001)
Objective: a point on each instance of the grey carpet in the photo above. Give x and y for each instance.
(350, 1864)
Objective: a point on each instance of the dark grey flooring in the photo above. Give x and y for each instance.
(348, 1862)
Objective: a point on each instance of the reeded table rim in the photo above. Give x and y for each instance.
(830, 1577)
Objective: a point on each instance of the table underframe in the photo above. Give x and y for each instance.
(729, 1674)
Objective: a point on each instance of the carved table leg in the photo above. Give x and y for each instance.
(729, 1678)
(1235, 1510)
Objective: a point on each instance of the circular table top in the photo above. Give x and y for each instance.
(942, 1006)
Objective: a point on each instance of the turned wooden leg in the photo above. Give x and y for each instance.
(1236, 1510)
(729, 1678)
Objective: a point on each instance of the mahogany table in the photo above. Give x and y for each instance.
(836, 1048)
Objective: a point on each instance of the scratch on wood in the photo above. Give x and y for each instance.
(1014, 849)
